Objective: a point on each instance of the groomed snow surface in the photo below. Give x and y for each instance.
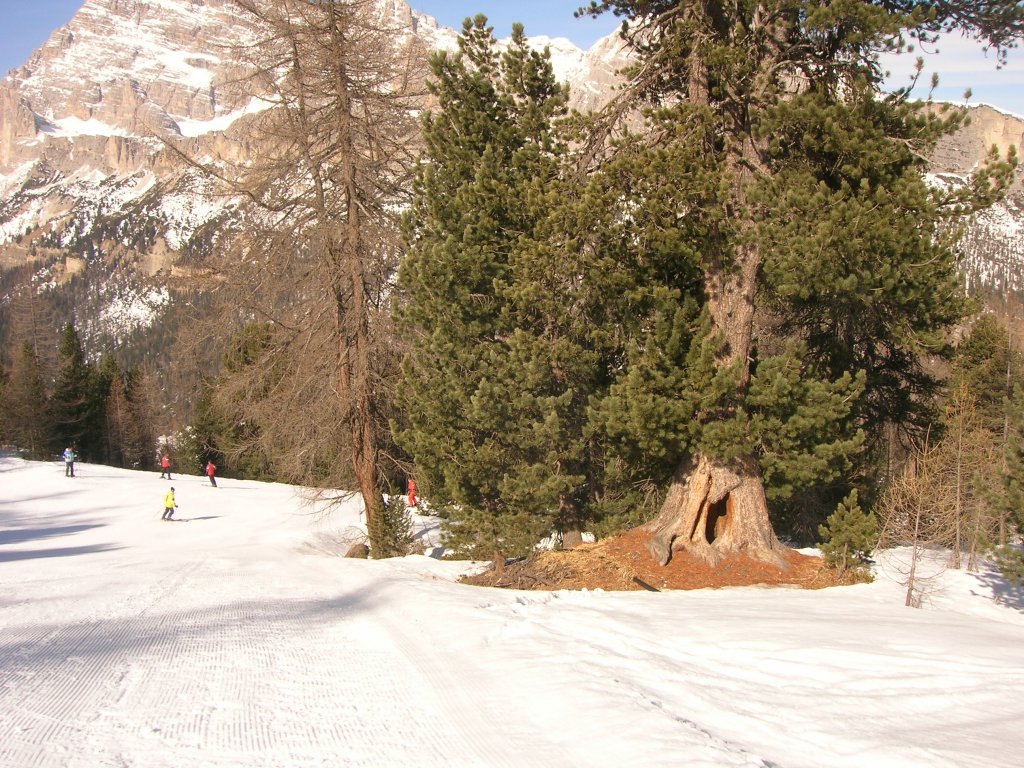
(241, 638)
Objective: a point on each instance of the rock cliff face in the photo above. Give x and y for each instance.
(121, 69)
(89, 188)
(961, 152)
(992, 246)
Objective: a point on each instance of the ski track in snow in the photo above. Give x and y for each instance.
(198, 652)
(233, 681)
(238, 639)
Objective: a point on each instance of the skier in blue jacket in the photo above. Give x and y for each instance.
(69, 462)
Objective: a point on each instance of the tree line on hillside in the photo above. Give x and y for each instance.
(105, 414)
(720, 309)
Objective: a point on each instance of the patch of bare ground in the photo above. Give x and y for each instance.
(623, 563)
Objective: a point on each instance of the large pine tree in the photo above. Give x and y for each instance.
(988, 367)
(1009, 500)
(490, 395)
(815, 207)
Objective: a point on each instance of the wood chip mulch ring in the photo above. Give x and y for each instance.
(624, 564)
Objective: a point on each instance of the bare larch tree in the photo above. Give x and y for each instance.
(308, 272)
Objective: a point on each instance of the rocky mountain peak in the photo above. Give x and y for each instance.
(122, 70)
(86, 181)
(989, 127)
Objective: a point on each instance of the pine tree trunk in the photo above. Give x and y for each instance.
(714, 509)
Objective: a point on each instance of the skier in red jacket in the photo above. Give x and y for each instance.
(210, 469)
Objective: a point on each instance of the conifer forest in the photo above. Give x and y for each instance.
(725, 309)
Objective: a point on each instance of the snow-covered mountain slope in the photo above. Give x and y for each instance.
(993, 250)
(88, 187)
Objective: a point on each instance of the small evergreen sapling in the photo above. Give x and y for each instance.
(1010, 561)
(848, 537)
(396, 538)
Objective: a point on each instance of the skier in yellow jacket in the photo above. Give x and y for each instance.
(169, 505)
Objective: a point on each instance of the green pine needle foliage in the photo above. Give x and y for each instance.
(1009, 557)
(396, 536)
(800, 424)
(1010, 561)
(1013, 498)
(494, 388)
(478, 534)
(848, 538)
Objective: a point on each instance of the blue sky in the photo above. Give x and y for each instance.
(553, 18)
(28, 23)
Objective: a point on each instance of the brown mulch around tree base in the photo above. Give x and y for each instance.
(623, 563)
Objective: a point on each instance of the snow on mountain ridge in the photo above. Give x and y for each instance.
(77, 125)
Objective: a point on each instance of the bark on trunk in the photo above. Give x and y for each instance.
(572, 539)
(498, 560)
(712, 511)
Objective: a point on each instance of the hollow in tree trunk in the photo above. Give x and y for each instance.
(712, 511)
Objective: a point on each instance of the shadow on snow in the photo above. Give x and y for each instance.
(46, 648)
(19, 535)
(6, 557)
(1005, 593)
